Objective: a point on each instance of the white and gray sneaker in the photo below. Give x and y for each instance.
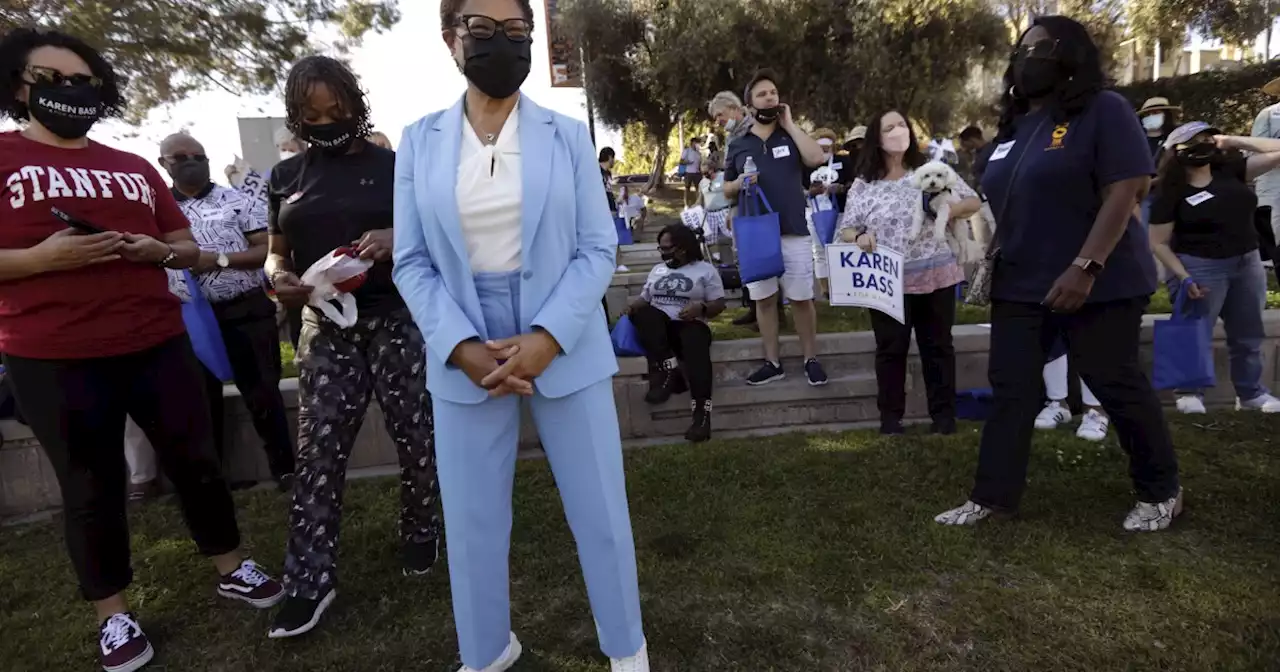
(1153, 516)
(1263, 402)
(967, 514)
(504, 662)
(1094, 426)
(1190, 404)
(636, 663)
(1052, 415)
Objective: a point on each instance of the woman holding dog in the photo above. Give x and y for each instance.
(880, 209)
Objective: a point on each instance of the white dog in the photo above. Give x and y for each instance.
(936, 182)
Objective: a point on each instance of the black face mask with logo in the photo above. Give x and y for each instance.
(497, 66)
(67, 111)
(334, 138)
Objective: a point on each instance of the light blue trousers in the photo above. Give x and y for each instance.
(476, 455)
(1237, 294)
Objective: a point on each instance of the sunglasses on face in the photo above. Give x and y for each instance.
(183, 158)
(1038, 49)
(483, 27)
(42, 75)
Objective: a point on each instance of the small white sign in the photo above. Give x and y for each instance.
(781, 152)
(1002, 150)
(1196, 199)
(866, 279)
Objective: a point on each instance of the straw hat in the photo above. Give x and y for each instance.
(1157, 104)
(858, 133)
(1272, 88)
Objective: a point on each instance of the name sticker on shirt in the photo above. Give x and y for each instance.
(1196, 199)
(781, 152)
(1002, 150)
(837, 165)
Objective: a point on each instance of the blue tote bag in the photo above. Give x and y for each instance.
(1183, 349)
(206, 335)
(626, 342)
(624, 233)
(824, 222)
(758, 235)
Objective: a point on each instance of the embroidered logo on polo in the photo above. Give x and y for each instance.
(1058, 135)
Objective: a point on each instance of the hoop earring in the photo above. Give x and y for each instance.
(1013, 91)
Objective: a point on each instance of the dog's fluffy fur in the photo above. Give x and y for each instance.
(937, 180)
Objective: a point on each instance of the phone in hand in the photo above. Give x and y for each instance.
(75, 222)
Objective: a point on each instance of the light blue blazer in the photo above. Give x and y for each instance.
(569, 244)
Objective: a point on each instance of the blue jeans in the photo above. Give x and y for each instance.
(1237, 292)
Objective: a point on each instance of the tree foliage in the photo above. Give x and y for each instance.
(1235, 21)
(1227, 99)
(168, 49)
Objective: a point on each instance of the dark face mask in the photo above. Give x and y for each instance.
(1201, 154)
(67, 111)
(191, 173)
(1036, 77)
(670, 259)
(497, 66)
(768, 115)
(333, 138)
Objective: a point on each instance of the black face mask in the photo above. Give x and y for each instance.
(669, 258)
(1036, 77)
(1197, 155)
(191, 173)
(67, 111)
(333, 138)
(498, 65)
(768, 115)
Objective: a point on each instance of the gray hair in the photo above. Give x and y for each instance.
(283, 135)
(722, 101)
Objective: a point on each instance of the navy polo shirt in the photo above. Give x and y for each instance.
(782, 175)
(1056, 195)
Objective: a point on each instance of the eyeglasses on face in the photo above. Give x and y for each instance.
(483, 27)
(1038, 49)
(183, 158)
(40, 74)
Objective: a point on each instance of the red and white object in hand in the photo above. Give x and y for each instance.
(334, 277)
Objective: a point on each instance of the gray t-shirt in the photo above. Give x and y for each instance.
(671, 289)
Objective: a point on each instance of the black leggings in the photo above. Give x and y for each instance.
(687, 340)
(76, 408)
(931, 316)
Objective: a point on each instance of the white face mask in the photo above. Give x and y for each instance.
(284, 154)
(730, 125)
(1153, 122)
(897, 140)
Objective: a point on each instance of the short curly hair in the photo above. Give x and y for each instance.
(451, 9)
(16, 46)
(342, 82)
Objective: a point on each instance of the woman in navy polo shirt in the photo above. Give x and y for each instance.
(1070, 166)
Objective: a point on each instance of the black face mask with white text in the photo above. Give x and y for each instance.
(333, 138)
(67, 111)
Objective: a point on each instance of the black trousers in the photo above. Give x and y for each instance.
(1103, 340)
(248, 325)
(687, 340)
(931, 316)
(77, 408)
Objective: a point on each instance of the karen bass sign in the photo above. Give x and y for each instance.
(867, 279)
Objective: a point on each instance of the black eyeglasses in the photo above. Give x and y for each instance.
(42, 75)
(483, 27)
(183, 158)
(1037, 49)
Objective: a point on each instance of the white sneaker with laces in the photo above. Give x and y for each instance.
(623, 269)
(1094, 426)
(967, 514)
(1190, 404)
(1052, 415)
(1263, 402)
(636, 663)
(504, 662)
(1153, 516)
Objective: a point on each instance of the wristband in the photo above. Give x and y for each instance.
(168, 258)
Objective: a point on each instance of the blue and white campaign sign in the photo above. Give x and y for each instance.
(866, 279)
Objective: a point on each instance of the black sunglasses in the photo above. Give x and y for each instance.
(1037, 49)
(42, 75)
(483, 27)
(183, 158)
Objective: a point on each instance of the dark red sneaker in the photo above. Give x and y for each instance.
(124, 647)
(250, 584)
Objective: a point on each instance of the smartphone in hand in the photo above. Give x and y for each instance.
(75, 222)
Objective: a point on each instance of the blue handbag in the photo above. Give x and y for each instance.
(205, 334)
(626, 342)
(624, 233)
(824, 222)
(1183, 349)
(758, 235)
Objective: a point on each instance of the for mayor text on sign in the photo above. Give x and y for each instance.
(867, 279)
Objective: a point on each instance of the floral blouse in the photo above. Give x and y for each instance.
(885, 208)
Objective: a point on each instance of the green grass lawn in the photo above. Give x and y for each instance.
(806, 553)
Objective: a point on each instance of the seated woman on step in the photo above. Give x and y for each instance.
(681, 294)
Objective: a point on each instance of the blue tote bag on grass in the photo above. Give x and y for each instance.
(624, 233)
(206, 335)
(758, 235)
(1183, 349)
(626, 342)
(824, 222)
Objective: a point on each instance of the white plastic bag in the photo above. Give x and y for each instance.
(333, 277)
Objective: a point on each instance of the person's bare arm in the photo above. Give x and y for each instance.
(1117, 207)
(1261, 164)
(965, 208)
(61, 251)
(1161, 237)
(278, 259)
(810, 151)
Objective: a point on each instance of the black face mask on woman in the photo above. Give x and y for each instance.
(332, 138)
(498, 65)
(1197, 155)
(1036, 77)
(67, 111)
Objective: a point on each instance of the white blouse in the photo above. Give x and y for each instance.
(490, 193)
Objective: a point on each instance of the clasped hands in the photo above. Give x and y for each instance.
(509, 365)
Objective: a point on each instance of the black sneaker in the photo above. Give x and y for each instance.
(814, 373)
(892, 427)
(419, 558)
(300, 615)
(123, 645)
(767, 374)
(250, 584)
(700, 430)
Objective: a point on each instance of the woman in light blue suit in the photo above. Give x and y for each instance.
(503, 250)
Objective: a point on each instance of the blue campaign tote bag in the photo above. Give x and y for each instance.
(1183, 349)
(624, 233)
(206, 335)
(758, 235)
(626, 342)
(824, 222)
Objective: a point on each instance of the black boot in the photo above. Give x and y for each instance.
(664, 380)
(748, 317)
(700, 430)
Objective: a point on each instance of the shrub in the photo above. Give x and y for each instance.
(1228, 99)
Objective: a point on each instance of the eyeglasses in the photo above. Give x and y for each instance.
(1037, 49)
(42, 75)
(183, 158)
(482, 27)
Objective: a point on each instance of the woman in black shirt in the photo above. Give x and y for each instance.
(339, 193)
(1202, 231)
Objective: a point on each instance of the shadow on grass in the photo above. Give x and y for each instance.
(787, 553)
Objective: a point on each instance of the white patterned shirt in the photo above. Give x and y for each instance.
(221, 220)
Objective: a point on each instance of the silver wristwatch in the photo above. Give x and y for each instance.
(223, 260)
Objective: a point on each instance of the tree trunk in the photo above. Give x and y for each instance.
(658, 173)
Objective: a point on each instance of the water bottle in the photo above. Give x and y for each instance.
(749, 167)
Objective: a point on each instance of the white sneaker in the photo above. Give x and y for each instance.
(504, 662)
(1094, 426)
(636, 663)
(1263, 402)
(1053, 414)
(623, 269)
(1191, 404)
(1153, 517)
(968, 514)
